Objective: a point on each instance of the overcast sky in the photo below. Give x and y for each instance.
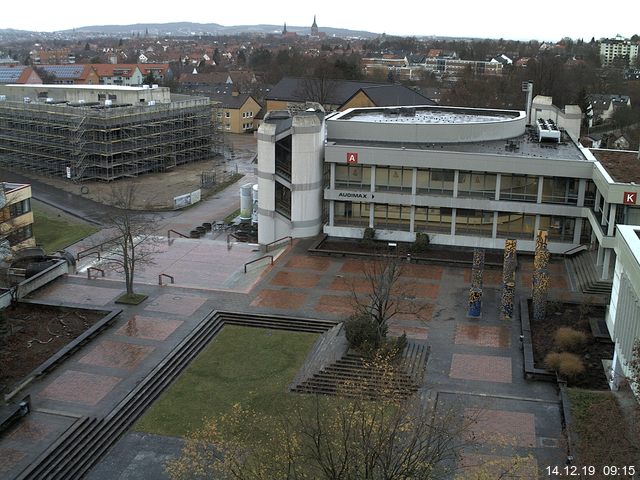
(519, 20)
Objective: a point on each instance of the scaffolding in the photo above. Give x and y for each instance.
(101, 143)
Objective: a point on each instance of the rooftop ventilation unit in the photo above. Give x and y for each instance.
(548, 131)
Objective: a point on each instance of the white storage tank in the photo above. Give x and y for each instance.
(246, 201)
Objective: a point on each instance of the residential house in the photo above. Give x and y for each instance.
(119, 74)
(19, 74)
(602, 106)
(70, 74)
(235, 112)
(160, 71)
(293, 94)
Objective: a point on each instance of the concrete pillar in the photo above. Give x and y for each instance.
(612, 219)
(332, 177)
(596, 205)
(536, 227)
(494, 227)
(577, 230)
(599, 255)
(456, 177)
(582, 190)
(606, 264)
(332, 211)
(605, 212)
(540, 187)
(498, 181)
(412, 217)
(373, 179)
(453, 221)
(414, 184)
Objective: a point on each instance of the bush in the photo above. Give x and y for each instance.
(421, 244)
(362, 333)
(392, 348)
(566, 364)
(368, 237)
(567, 338)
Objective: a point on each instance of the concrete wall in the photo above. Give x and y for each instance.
(414, 132)
(86, 93)
(266, 183)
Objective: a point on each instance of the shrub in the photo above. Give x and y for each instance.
(566, 364)
(567, 338)
(392, 348)
(362, 333)
(421, 244)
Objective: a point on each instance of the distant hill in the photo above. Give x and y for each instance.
(190, 28)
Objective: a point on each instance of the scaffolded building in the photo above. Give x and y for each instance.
(101, 133)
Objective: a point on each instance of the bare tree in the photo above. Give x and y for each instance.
(134, 243)
(387, 438)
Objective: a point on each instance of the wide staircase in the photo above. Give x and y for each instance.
(351, 375)
(587, 275)
(82, 445)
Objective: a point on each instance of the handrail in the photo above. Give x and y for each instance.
(577, 249)
(80, 255)
(87, 254)
(175, 231)
(288, 237)
(96, 269)
(255, 260)
(170, 277)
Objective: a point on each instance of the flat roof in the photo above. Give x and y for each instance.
(521, 146)
(82, 87)
(428, 115)
(623, 166)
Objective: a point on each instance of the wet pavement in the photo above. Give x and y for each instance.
(475, 365)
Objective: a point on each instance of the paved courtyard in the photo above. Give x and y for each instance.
(475, 365)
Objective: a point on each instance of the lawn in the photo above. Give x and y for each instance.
(606, 435)
(55, 233)
(243, 365)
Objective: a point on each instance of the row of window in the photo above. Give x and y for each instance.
(439, 219)
(470, 183)
(15, 210)
(19, 235)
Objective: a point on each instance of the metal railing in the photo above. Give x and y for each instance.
(177, 233)
(266, 247)
(579, 248)
(170, 277)
(96, 269)
(257, 259)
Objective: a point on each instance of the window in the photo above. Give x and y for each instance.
(394, 178)
(516, 225)
(392, 217)
(20, 208)
(560, 190)
(476, 184)
(19, 235)
(522, 188)
(560, 228)
(351, 213)
(433, 219)
(353, 176)
(475, 222)
(227, 115)
(435, 181)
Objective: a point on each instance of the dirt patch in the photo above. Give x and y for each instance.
(592, 352)
(30, 334)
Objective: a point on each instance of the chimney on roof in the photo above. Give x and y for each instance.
(235, 93)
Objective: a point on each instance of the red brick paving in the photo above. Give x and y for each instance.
(279, 299)
(396, 329)
(9, 457)
(483, 336)
(501, 427)
(109, 353)
(31, 430)
(350, 283)
(149, 327)
(295, 279)
(481, 367)
(176, 304)
(421, 290)
(427, 272)
(417, 310)
(339, 305)
(353, 265)
(306, 262)
(80, 387)
(475, 465)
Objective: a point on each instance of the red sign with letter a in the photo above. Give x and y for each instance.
(352, 157)
(630, 198)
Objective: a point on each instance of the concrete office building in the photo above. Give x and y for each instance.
(93, 132)
(467, 177)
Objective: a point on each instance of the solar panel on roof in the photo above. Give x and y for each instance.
(64, 71)
(10, 75)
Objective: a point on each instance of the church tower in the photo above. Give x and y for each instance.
(314, 28)
(284, 30)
